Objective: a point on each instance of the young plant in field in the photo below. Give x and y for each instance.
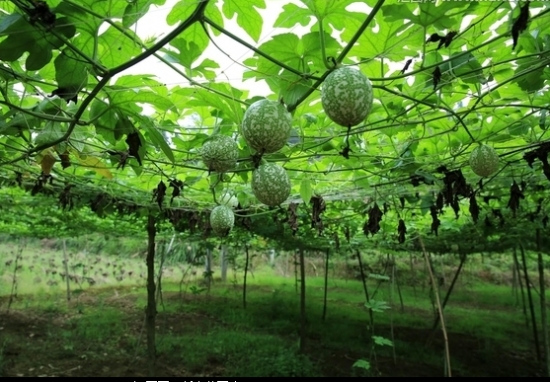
(374, 306)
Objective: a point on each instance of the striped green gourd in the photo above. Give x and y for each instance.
(266, 126)
(484, 161)
(220, 153)
(222, 220)
(347, 96)
(271, 184)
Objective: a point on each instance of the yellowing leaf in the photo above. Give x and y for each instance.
(96, 165)
(46, 161)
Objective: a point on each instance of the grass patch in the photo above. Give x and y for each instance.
(237, 353)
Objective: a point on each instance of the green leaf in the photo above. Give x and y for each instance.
(158, 140)
(389, 41)
(377, 306)
(426, 202)
(133, 81)
(78, 138)
(10, 23)
(498, 137)
(329, 146)
(123, 126)
(189, 51)
(108, 8)
(362, 364)
(23, 37)
(519, 128)
(197, 141)
(244, 176)
(502, 74)
(305, 190)
(115, 49)
(411, 199)
(303, 54)
(398, 12)
(293, 87)
(190, 45)
(213, 13)
(531, 73)
(180, 12)
(333, 12)
(70, 72)
(21, 121)
(529, 44)
(136, 9)
(127, 99)
(382, 341)
(105, 119)
(203, 97)
(437, 16)
(464, 66)
(205, 68)
(51, 132)
(87, 24)
(293, 15)
(248, 17)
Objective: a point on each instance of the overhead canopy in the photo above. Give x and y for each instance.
(98, 113)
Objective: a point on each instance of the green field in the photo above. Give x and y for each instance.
(201, 332)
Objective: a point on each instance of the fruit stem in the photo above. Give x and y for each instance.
(323, 49)
(213, 187)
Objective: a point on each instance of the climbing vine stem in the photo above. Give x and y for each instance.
(322, 41)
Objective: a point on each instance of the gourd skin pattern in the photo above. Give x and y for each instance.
(484, 161)
(220, 154)
(222, 219)
(271, 184)
(266, 126)
(347, 96)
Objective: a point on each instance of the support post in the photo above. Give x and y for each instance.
(151, 310)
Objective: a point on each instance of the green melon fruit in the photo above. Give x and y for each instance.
(484, 161)
(222, 220)
(266, 126)
(220, 153)
(347, 96)
(270, 184)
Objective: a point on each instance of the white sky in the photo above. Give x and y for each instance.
(154, 24)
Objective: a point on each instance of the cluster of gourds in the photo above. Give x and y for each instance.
(347, 99)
